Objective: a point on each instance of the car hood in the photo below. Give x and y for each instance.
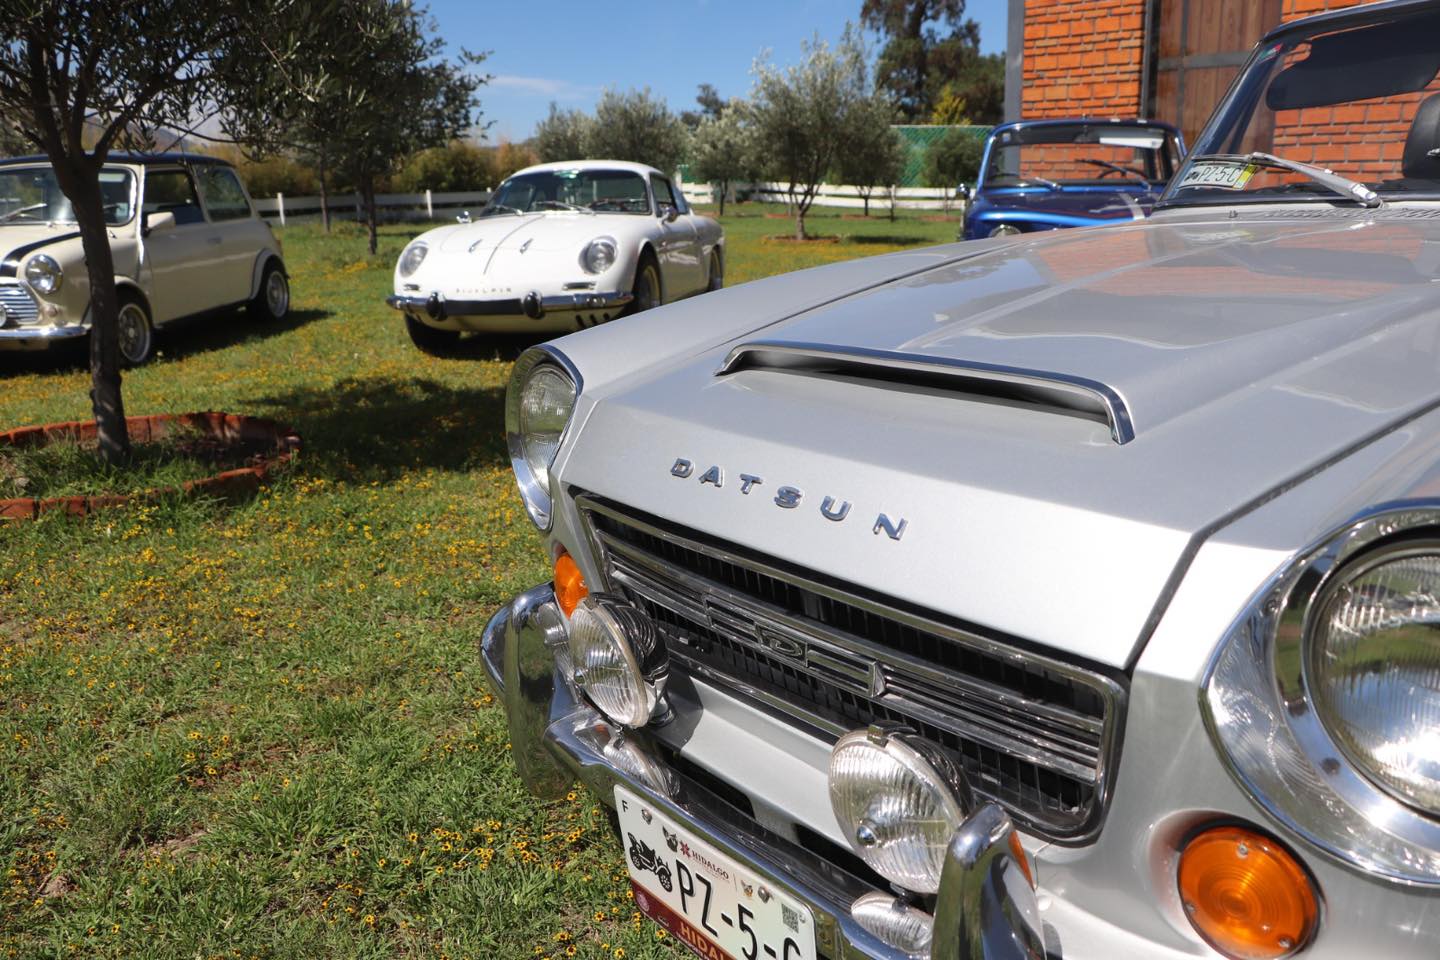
(549, 232)
(1245, 356)
(23, 239)
(1119, 204)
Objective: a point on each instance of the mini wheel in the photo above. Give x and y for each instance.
(136, 332)
(272, 302)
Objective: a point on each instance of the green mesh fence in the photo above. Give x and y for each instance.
(918, 139)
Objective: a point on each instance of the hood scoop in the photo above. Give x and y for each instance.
(1040, 389)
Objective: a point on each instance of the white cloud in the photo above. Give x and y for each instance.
(542, 86)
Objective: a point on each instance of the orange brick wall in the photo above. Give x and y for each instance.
(1082, 59)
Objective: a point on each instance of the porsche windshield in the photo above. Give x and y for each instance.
(1058, 155)
(31, 195)
(1345, 111)
(608, 191)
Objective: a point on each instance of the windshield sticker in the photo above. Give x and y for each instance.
(1223, 175)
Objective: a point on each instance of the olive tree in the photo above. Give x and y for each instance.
(633, 125)
(874, 155)
(79, 78)
(562, 135)
(804, 115)
(722, 149)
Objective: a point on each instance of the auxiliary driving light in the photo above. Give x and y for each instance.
(899, 800)
(1246, 895)
(896, 923)
(619, 658)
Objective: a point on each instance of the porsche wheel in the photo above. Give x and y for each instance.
(647, 286)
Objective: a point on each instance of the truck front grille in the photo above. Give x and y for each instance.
(1036, 734)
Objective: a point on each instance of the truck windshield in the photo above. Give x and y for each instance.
(1356, 98)
(32, 195)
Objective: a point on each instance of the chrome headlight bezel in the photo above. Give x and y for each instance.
(44, 274)
(1004, 230)
(412, 257)
(599, 255)
(535, 486)
(1272, 739)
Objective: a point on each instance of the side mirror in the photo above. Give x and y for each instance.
(159, 220)
(669, 213)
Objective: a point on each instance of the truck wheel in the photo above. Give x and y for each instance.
(437, 343)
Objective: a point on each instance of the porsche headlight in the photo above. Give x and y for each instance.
(538, 405)
(1004, 230)
(599, 255)
(413, 256)
(1373, 669)
(44, 274)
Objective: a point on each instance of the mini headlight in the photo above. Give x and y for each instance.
(1005, 230)
(899, 800)
(44, 274)
(413, 256)
(538, 404)
(618, 657)
(1373, 669)
(599, 255)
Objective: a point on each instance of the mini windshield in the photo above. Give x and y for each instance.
(1056, 156)
(32, 195)
(611, 191)
(1358, 97)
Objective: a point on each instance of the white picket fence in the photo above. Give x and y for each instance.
(431, 205)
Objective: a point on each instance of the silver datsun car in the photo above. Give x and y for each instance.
(183, 233)
(1062, 595)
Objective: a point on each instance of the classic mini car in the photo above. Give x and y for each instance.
(1052, 174)
(183, 234)
(559, 247)
(1072, 595)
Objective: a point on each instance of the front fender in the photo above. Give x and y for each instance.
(257, 271)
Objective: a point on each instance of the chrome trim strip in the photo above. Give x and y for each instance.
(1255, 705)
(1065, 741)
(1063, 391)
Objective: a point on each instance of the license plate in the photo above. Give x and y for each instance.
(705, 899)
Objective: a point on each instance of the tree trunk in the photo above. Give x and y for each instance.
(799, 222)
(866, 196)
(324, 195)
(724, 189)
(367, 187)
(83, 189)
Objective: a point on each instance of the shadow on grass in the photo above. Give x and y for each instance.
(177, 340)
(889, 239)
(378, 428)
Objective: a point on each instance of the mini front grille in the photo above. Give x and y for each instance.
(20, 307)
(1036, 734)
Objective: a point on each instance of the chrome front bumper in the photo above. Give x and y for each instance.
(985, 909)
(37, 338)
(532, 305)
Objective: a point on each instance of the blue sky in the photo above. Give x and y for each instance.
(570, 50)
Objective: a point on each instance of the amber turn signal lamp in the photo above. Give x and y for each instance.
(570, 586)
(1246, 895)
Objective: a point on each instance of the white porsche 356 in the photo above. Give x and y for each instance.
(559, 247)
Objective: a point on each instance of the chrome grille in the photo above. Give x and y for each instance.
(20, 307)
(1036, 734)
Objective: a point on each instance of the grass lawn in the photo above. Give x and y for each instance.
(263, 730)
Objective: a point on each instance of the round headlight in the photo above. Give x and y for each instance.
(599, 255)
(899, 800)
(411, 259)
(538, 405)
(1005, 230)
(1373, 669)
(43, 273)
(618, 658)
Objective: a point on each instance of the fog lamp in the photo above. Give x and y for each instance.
(899, 799)
(895, 922)
(1246, 895)
(618, 657)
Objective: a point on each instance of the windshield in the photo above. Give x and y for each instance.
(1361, 100)
(32, 195)
(613, 191)
(1080, 155)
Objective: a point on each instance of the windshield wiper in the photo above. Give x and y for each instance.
(492, 208)
(1332, 181)
(563, 205)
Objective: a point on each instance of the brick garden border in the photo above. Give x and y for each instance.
(229, 485)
